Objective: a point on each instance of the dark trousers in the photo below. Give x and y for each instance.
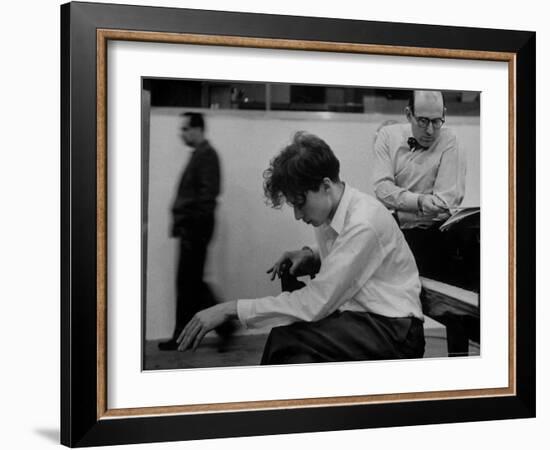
(431, 249)
(345, 336)
(450, 256)
(193, 294)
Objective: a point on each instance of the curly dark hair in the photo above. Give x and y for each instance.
(300, 167)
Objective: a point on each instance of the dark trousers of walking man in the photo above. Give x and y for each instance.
(193, 293)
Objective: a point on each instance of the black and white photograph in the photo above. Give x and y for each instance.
(275, 225)
(292, 223)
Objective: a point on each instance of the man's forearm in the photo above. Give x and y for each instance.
(395, 197)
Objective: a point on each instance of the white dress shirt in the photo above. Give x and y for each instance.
(401, 175)
(366, 266)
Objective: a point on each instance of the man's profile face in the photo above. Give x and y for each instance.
(427, 105)
(189, 134)
(314, 208)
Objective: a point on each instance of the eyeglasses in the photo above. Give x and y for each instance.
(424, 122)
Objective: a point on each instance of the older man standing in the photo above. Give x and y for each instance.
(420, 173)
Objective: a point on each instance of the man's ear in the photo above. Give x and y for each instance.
(408, 113)
(326, 183)
(444, 112)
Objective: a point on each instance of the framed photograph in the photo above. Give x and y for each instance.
(210, 288)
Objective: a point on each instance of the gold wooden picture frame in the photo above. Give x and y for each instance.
(87, 418)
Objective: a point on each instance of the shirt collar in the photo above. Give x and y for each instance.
(407, 133)
(415, 145)
(204, 144)
(337, 222)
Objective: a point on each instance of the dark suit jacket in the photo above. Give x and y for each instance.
(199, 186)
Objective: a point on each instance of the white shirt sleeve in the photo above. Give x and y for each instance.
(385, 188)
(356, 254)
(450, 183)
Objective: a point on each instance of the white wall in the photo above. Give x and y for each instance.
(249, 235)
(29, 229)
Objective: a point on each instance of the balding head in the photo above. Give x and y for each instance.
(426, 99)
(425, 105)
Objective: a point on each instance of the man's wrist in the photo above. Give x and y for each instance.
(229, 309)
(313, 263)
(419, 204)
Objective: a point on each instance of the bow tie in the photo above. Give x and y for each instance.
(415, 145)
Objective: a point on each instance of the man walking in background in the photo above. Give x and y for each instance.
(193, 223)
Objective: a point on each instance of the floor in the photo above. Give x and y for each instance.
(245, 349)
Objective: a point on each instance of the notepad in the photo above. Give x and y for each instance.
(458, 215)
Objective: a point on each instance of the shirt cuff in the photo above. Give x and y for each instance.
(244, 311)
(408, 202)
(313, 248)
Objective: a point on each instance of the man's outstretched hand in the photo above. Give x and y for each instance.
(203, 322)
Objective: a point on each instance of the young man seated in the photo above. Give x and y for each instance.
(363, 303)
